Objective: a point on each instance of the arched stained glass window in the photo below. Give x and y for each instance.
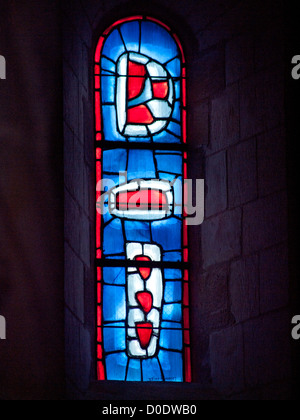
(141, 235)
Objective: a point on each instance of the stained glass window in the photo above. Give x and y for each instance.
(141, 236)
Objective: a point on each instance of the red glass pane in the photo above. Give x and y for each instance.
(139, 115)
(136, 80)
(145, 272)
(144, 332)
(101, 371)
(188, 373)
(98, 153)
(97, 82)
(99, 293)
(145, 299)
(187, 339)
(142, 200)
(160, 90)
(97, 111)
(99, 316)
(186, 294)
(184, 131)
(186, 318)
(98, 136)
(99, 335)
(99, 352)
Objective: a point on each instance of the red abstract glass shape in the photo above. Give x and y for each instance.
(144, 332)
(145, 299)
(136, 80)
(139, 115)
(149, 199)
(145, 272)
(160, 90)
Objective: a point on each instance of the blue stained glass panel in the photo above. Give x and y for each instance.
(169, 163)
(176, 114)
(172, 256)
(107, 65)
(171, 325)
(174, 68)
(114, 275)
(114, 303)
(171, 339)
(116, 365)
(108, 89)
(141, 165)
(151, 370)
(114, 339)
(167, 233)
(165, 137)
(172, 312)
(114, 160)
(173, 291)
(137, 231)
(113, 240)
(134, 371)
(131, 34)
(113, 47)
(110, 124)
(174, 128)
(172, 274)
(171, 363)
(153, 35)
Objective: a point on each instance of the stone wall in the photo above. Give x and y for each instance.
(239, 274)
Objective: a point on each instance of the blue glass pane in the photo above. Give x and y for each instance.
(176, 113)
(165, 137)
(166, 177)
(113, 46)
(114, 303)
(171, 339)
(107, 65)
(172, 312)
(169, 163)
(167, 233)
(172, 365)
(139, 139)
(173, 292)
(177, 89)
(114, 339)
(134, 371)
(131, 35)
(171, 325)
(137, 232)
(174, 68)
(113, 240)
(114, 275)
(151, 370)
(173, 274)
(172, 256)
(108, 89)
(116, 365)
(141, 165)
(153, 35)
(115, 160)
(174, 128)
(110, 124)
